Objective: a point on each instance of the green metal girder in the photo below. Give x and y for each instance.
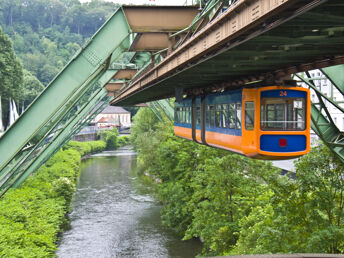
(166, 107)
(86, 65)
(51, 147)
(322, 123)
(336, 75)
(63, 135)
(153, 106)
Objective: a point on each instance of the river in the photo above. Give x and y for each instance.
(114, 215)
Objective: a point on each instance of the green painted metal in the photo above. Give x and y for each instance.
(57, 113)
(322, 122)
(154, 107)
(166, 107)
(44, 151)
(87, 64)
(64, 134)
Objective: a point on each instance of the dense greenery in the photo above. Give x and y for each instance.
(46, 33)
(237, 205)
(112, 139)
(31, 216)
(11, 73)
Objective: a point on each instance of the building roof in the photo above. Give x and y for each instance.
(114, 110)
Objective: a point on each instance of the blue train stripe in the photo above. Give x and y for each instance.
(293, 143)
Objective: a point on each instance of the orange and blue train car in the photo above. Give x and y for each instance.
(271, 122)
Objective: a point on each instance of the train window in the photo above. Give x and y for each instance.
(249, 115)
(176, 115)
(238, 115)
(283, 114)
(183, 115)
(210, 115)
(207, 115)
(198, 116)
(187, 115)
(232, 115)
(218, 116)
(224, 116)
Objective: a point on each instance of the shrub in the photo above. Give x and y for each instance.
(31, 216)
(122, 141)
(110, 138)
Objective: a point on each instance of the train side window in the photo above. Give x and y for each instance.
(176, 115)
(207, 114)
(238, 115)
(231, 118)
(249, 115)
(183, 115)
(188, 113)
(218, 116)
(224, 116)
(212, 115)
(198, 116)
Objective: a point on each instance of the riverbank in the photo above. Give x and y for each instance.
(114, 213)
(31, 216)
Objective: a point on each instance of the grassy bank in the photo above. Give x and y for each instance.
(31, 216)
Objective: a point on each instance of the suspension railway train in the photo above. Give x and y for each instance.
(270, 122)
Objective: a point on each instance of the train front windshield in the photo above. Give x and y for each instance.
(283, 114)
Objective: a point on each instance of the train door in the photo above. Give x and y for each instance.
(249, 126)
(196, 119)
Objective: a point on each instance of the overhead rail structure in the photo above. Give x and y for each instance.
(100, 69)
(148, 53)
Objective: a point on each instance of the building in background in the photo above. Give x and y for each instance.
(326, 87)
(113, 116)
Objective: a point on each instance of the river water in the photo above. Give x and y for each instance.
(114, 215)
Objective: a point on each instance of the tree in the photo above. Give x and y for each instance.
(11, 74)
(32, 88)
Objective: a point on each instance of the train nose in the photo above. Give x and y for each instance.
(283, 143)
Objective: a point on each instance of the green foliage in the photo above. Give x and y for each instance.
(85, 148)
(123, 140)
(31, 89)
(46, 42)
(11, 74)
(31, 216)
(110, 138)
(238, 205)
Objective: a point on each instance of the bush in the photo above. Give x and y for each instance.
(85, 148)
(122, 141)
(110, 138)
(31, 216)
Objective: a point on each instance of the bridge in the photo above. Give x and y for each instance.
(147, 54)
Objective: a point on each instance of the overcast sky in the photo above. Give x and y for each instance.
(153, 2)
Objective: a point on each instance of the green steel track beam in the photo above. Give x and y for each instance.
(55, 108)
(41, 153)
(63, 135)
(322, 122)
(166, 107)
(87, 64)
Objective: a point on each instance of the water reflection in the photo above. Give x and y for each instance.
(114, 215)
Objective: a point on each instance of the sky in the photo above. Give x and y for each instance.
(152, 2)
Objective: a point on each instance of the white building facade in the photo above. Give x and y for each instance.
(326, 87)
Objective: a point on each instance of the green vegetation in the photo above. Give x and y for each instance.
(85, 148)
(45, 34)
(11, 74)
(112, 139)
(238, 205)
(32, 215)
